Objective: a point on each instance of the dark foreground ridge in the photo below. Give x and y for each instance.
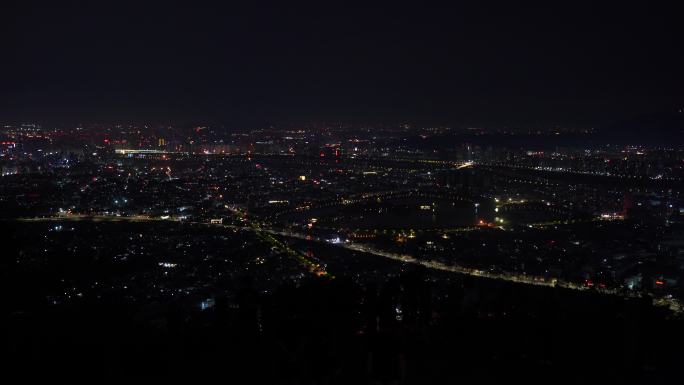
(411, 325)
(333, 331)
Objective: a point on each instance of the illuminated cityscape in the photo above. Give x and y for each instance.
(315, 246)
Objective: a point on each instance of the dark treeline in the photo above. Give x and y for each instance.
(336, 332)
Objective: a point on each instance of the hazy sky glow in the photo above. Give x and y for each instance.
(570, 64)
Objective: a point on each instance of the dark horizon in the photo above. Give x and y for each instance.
(570, 65)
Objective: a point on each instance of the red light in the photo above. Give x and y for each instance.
(589, 282)
(322, 154)
(659, 282)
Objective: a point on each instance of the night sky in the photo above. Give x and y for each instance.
(575, 64)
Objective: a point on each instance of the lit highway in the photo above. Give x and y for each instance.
(671, 303)
(314, 267)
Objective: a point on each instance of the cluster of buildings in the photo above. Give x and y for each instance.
(608, 217)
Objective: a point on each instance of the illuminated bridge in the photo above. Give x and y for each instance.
(126, 151)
